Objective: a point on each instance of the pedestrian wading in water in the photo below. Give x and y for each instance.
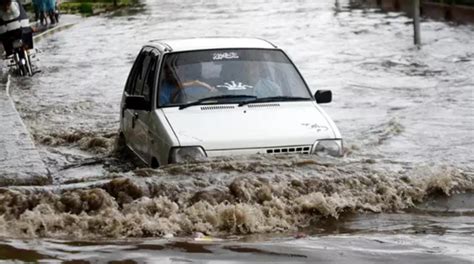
(45, 9)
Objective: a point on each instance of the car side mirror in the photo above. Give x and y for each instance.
(136, 102)
(323, 96)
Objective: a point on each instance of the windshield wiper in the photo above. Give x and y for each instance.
(227, 96)
(274, 99)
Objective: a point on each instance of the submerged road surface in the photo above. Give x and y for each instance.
(403, 193)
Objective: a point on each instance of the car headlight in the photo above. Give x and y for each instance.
(331, 147)
(186, 154)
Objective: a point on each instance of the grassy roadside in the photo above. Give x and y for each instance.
(93, 7)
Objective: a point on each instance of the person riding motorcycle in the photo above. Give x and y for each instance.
(14, 25)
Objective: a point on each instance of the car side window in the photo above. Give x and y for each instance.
(140, 77)
(150, 77)
(132, 78)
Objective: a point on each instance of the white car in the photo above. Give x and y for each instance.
(188, 99)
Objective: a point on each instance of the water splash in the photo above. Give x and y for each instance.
(223, 197)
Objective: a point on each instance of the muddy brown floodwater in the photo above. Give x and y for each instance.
(404, 192)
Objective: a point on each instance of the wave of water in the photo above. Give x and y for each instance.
(222, 197)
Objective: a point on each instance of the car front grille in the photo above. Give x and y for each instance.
(217, 107)
(263, 105)
(296, 149)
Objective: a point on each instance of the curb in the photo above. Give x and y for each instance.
(21, 169)
(51, 31)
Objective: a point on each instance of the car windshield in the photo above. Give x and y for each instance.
(228, 76)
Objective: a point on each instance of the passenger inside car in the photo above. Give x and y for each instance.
(248, 78)
(259, 78)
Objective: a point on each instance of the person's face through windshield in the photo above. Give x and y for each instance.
(169, 75)
(254, 71)
(189, 72)
(6, 5)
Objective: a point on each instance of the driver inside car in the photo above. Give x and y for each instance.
(14, 25)
(182, 84)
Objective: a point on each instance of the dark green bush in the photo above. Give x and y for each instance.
(85, 8)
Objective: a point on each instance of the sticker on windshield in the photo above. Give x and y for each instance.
(235, 86)
(225, 56)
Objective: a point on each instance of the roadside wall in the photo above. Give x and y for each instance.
(438, 11)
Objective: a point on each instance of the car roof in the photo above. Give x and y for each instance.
(188, 44)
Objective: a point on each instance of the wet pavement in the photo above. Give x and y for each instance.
(403, 193)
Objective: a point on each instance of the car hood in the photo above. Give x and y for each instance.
(223, 127)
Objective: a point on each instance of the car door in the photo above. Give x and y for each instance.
(144, 117)
(127, 114)
(134, 86)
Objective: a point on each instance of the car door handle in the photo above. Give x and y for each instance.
(134, 118)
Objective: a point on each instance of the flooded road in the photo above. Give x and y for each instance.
(403, 193)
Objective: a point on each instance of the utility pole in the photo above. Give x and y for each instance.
(416, 22)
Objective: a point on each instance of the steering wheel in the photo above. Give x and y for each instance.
(195, 85)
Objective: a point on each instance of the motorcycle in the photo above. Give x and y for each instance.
(22, 58)
(19, 44)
